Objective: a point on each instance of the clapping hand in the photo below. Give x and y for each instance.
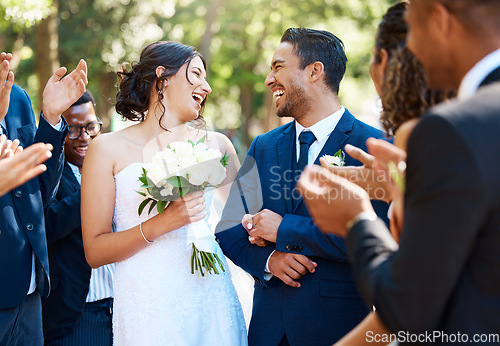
(331, 200)
(18, 166)
(375, 183)
(60, 93)
(6, 82)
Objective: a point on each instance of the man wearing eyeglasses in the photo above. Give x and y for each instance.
(79, 307)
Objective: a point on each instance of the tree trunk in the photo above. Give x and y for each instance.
(210, 18)
(246, 97)
(46, 50)
(106, 99)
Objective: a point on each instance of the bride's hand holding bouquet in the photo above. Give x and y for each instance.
(181, 168)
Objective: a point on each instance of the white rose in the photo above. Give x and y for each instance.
(335, 160)
(166, 190)
(198, 174)
(216, 172)
(186, 161)
(181, 148)
(213, 154)
(156, 173)
(200, 152)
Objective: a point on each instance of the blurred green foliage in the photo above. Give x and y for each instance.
(237, 37)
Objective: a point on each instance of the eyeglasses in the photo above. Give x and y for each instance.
(93, 128)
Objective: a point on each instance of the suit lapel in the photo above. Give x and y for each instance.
(286, 142)
(337, 139)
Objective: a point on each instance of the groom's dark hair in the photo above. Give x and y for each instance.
(317, 45)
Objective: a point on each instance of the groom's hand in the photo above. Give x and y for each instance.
(265, 225)
(289, 267)
(247, 223)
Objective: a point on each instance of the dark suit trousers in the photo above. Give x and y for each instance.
(94, 328)
(22, 325)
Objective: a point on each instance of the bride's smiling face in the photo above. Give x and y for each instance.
(185, 92)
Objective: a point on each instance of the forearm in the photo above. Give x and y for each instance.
(298, 234)
(49, 180)
(62, 217)
(252, 258)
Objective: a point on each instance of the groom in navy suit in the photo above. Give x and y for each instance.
(24, 262)
(304, 292)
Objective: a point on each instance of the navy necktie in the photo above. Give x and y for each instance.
(306, 138)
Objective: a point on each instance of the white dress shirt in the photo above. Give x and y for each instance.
(321, 130)
(470, 83)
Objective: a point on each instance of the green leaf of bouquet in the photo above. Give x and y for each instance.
(160, 206)
(143, 205)
(191, 142)
(202, 140)
(143, 180)
(338, 153)
(177, 181)
(152, 206)
(184, 190)
(225, 159)
(141, 193)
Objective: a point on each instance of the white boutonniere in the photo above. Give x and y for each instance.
(337, 159)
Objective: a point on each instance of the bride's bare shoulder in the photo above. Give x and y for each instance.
(219, 140)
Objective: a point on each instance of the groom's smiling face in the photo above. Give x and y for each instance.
(286, 81)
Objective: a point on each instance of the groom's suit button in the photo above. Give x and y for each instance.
(300, 248)
(289, 248)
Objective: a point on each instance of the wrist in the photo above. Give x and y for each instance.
(362, 216)
(51, 118)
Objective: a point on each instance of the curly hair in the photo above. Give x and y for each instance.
(404, 91)
(392, 30)
(133, 97)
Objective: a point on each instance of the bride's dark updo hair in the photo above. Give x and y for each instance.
(132, 99)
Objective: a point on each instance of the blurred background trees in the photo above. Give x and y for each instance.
(237, 38)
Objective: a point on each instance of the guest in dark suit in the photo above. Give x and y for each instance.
(78, 309)
(24, 266)
(443, 277)
(304, 293)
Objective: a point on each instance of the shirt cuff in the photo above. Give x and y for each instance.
(267, 272)
(57, 126)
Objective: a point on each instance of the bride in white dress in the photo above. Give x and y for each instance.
(157, 301)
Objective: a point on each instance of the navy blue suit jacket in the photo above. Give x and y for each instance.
(69, 271)
(327, 305)
(22, 224)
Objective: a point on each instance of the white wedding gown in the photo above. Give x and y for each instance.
(157, 301)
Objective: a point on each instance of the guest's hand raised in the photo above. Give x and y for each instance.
(60, 93)
(6, 82)
(9, 148)
(23, 165)
(376, 184)
(289, 267)
(332, 200)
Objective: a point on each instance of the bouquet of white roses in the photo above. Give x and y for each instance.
(181, 168)
(337, 159)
